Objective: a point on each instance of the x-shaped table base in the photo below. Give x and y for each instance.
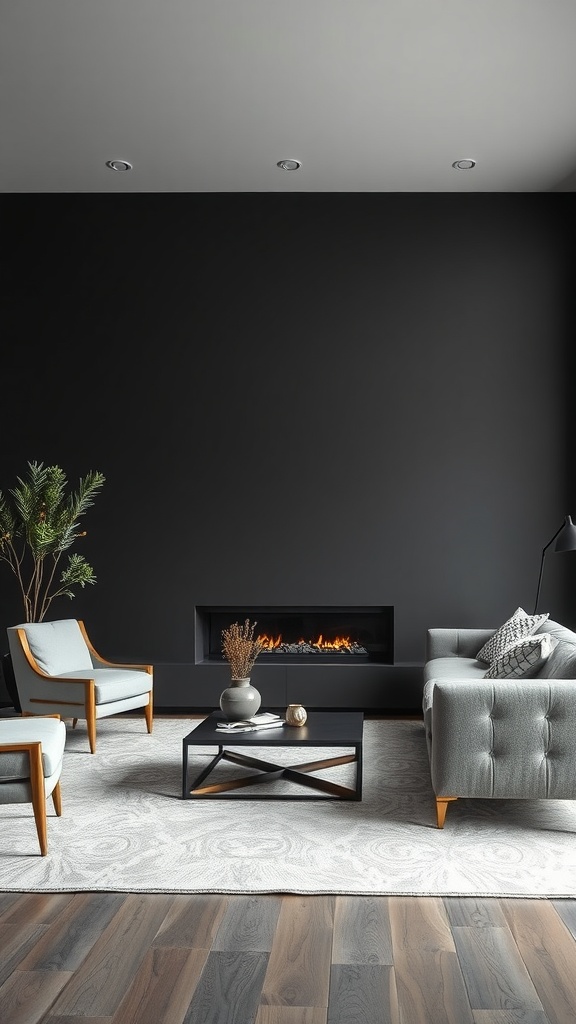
(269, 771)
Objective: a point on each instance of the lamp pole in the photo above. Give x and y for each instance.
(567, 542)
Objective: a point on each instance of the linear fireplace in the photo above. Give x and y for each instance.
(303, 634)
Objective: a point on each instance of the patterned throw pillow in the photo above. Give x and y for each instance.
(524, 658)
(515, 628)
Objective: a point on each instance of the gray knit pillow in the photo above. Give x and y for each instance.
(524, 658)
(515, 628)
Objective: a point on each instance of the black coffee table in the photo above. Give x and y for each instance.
(322, 729)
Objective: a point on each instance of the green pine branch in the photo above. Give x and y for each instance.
(39, 521)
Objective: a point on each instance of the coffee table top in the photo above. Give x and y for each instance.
(322, 729)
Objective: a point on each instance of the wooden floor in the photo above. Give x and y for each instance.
(121, 958)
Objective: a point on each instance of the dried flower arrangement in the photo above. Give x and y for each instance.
(240, 648)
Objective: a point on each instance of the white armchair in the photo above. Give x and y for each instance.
(58, 671)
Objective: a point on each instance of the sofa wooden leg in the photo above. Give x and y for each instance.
(441, 808)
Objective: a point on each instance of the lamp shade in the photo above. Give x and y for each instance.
(567, 536)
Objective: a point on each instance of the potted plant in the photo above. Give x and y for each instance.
(240, 648)
(38, 524)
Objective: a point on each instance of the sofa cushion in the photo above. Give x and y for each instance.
(524, 658)
(518, 626)
(558, 630)
(454, 668)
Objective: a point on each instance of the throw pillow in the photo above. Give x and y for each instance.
(515, 628)
(562, 663)
(523, 659)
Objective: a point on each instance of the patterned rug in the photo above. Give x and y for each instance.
(125, 828)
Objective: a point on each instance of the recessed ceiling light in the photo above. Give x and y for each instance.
(464, 165)
(289, 164)
(119, 165)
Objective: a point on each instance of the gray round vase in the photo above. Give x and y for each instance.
(240, 700)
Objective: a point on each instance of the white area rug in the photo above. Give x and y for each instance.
(125, 828)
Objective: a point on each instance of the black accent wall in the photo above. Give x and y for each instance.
(296, 400)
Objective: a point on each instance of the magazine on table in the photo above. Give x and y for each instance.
(266, 720)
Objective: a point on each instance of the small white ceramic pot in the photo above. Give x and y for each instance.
(296, 714)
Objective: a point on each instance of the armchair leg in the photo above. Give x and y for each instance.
(149, 712)
(57, 799)
(441, 808)
(91, 724)
(38, 796)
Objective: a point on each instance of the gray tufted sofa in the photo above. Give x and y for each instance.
(499, 738)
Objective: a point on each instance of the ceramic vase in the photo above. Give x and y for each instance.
(240, 700)
(296, 714)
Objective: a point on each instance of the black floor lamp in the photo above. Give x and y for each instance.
(566, 542)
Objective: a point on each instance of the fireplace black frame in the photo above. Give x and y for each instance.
(371, 625)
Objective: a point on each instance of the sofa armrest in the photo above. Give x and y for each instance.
(455, 643)
(508, 739)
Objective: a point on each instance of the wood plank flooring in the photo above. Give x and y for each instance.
(126, 958)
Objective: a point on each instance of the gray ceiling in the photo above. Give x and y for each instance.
(207, 95)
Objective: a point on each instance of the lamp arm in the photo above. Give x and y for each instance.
(544, 550)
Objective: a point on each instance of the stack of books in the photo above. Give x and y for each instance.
(266, 720)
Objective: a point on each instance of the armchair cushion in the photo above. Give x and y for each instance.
(113, 683)
(58, 647)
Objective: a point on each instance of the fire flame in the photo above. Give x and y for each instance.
(270, 643)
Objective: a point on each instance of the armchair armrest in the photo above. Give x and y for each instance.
(98, 662)
(97, 659)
